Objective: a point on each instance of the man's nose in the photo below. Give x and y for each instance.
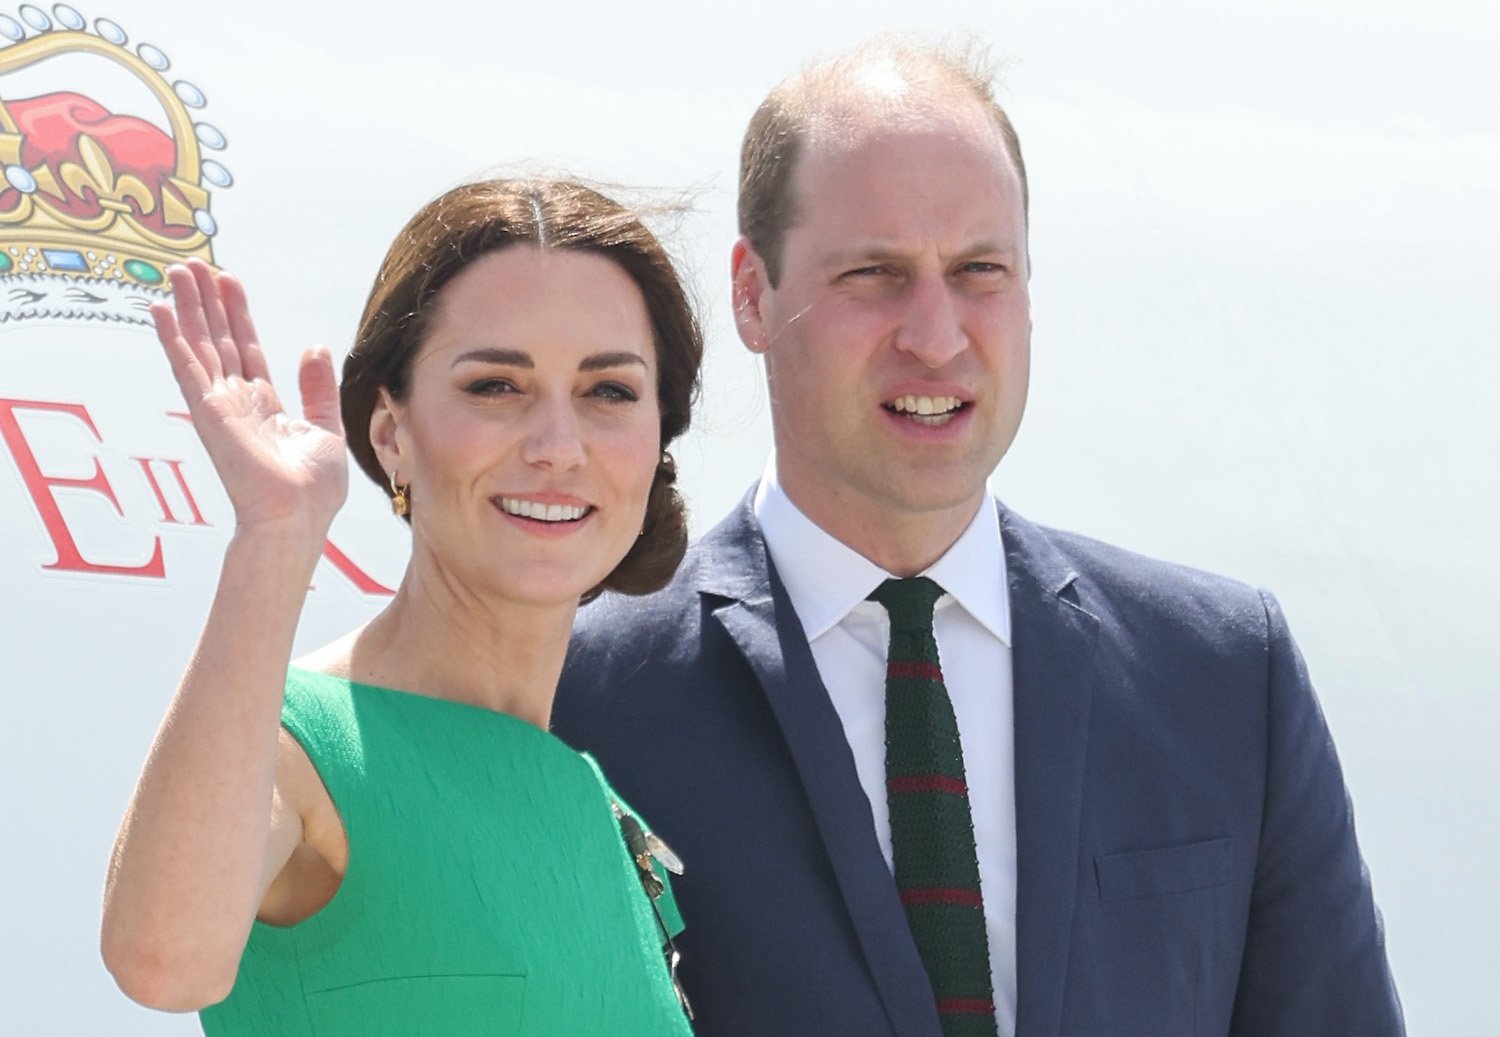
(553, 440)
(931, 329)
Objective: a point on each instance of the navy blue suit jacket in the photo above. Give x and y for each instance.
(1186, 853)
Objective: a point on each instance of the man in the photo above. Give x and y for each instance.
(1161, 842)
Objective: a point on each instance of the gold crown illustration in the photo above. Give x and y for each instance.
(96, 203)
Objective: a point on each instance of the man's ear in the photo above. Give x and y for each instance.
(750, 285)
(386, 437)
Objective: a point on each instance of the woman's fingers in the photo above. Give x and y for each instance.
(215, 319)
(242, 328)
(192, 325)
(320, 391)
(191, 378)
(209, 336)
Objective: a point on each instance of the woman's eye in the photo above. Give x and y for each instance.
(491, 387)
(614, 391)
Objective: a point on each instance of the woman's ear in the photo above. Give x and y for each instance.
(386, 419)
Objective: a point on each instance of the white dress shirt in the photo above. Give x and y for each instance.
(828, 583)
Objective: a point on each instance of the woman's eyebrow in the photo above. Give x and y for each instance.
(517, 358)
(508, 357)
(601, 361)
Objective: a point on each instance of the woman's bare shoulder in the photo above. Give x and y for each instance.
(335, 658)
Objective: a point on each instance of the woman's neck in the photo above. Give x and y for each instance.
(438, 639)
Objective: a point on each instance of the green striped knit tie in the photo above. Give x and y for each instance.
(932, 833)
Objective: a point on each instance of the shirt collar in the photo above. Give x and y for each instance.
(825, 578)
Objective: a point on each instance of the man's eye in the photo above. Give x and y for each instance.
(614, 391)
(865, 271)
(979, 266)
(491, 387)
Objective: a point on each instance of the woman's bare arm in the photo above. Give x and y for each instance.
(215, 815)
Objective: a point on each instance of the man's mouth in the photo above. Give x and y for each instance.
(926, 410)
(540, 512)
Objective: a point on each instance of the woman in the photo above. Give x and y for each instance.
(384, 838)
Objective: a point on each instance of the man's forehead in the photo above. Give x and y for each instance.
(926, 180)
(904, 152)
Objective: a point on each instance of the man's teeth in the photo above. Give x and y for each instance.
(542, 512)
(924, 405)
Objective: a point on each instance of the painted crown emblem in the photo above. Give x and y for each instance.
(96, 199)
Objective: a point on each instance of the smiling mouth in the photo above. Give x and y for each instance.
(539, 512)
(927, 410)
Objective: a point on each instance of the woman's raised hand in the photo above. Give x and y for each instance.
(278, 470)
(216, 814)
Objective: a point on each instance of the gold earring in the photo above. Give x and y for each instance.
(400, 502)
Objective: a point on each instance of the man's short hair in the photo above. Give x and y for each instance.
(780, 127)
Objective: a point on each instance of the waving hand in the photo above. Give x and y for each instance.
(276, 468)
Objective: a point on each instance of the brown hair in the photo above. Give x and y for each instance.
(778, 130)
(478, 218)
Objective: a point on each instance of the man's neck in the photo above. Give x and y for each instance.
(903, 543)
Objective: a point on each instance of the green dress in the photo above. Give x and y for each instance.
(489, 890)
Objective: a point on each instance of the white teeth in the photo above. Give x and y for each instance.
(543, 512)
(924, 405)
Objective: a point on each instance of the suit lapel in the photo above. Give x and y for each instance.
(758, 616)
(1053, 643)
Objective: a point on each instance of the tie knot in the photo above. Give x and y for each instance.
(909, 602)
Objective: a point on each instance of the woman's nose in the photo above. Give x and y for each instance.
(553, 441)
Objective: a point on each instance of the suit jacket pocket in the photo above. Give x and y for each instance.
(1152, 873)
(422, 1006)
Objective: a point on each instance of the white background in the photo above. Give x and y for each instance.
(1265, 246)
